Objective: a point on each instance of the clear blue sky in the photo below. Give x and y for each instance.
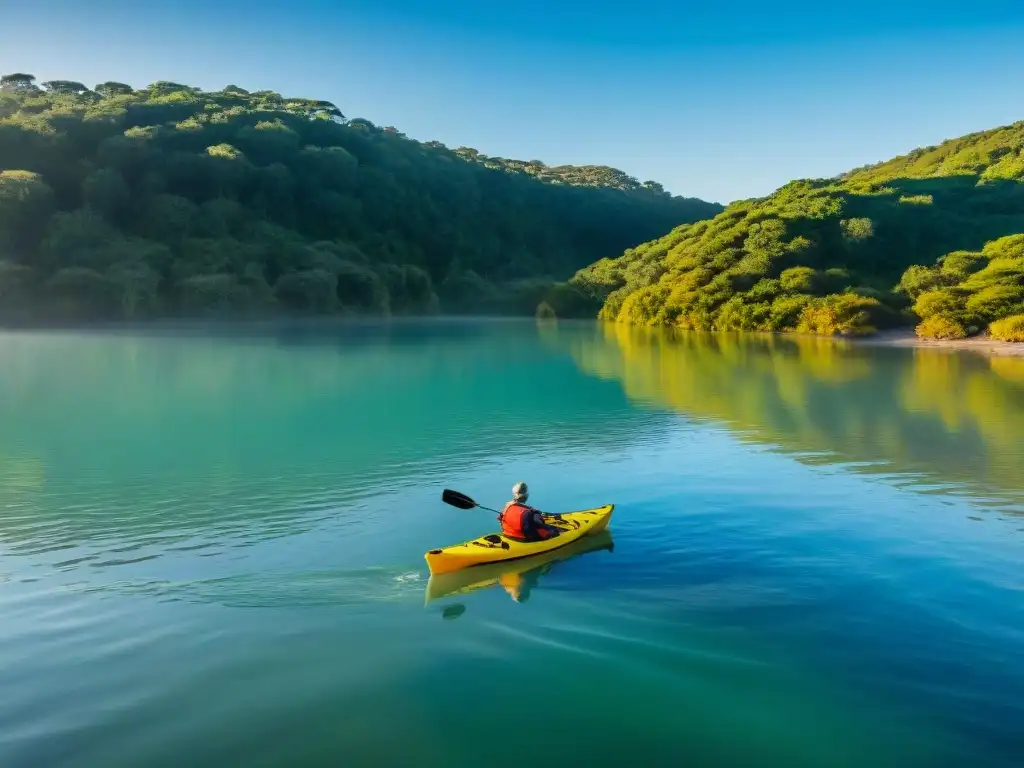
(719, 100)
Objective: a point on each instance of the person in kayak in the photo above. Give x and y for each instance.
(519, 521)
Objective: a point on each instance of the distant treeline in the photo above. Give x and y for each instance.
(117, 203)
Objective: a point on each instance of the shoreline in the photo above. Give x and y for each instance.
(904, 338)
(981, 345)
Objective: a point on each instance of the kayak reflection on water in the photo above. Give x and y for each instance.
(516, 577)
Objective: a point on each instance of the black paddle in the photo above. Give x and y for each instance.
(462, 501)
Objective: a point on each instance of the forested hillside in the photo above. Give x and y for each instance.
(919, 239)
(168, 200)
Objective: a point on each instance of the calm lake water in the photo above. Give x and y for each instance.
(211, 550)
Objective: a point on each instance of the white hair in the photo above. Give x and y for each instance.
(520, 492)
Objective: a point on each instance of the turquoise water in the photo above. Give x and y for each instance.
(211, 549)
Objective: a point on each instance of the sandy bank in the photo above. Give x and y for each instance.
(980, 344)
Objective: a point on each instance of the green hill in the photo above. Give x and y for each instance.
(922, 237)
(168, 200)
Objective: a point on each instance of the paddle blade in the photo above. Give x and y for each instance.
(456, 499)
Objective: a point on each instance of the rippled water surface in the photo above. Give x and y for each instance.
(211, 550)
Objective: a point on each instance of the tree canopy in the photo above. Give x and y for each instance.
(122, 202)
(923, 238)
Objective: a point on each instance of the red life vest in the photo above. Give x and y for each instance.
(516, 522)
(513, 522)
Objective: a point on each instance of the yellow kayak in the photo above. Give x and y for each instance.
(517, 576)
(496, 547)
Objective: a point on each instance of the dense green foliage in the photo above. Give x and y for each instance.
(966, 291)
(838, 255)
(1009, 328)
(124, 203)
